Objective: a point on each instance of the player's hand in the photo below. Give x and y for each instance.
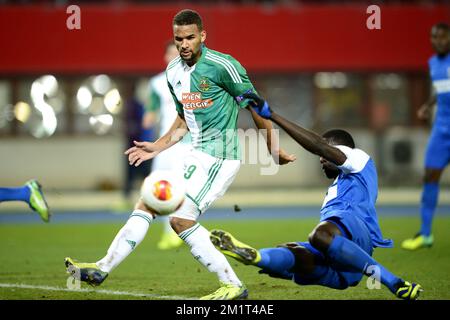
(281, 157)
(424, 112)
(142, 151)
(261, 106)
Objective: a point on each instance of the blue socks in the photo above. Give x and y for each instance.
(15, 194)
(430, 196)
(348, 256)
(277, 260)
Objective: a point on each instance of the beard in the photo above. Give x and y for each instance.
(191, 58)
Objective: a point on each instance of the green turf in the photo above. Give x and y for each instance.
(34, 254)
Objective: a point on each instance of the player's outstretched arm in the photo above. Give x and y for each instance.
(143, 150)
(279, 155)
(309, 140)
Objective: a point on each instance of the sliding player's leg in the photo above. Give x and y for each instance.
(346, 243)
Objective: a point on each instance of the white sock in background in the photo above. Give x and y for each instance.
(197, 238)
(128, 238)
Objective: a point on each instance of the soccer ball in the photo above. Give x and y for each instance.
(163, 191)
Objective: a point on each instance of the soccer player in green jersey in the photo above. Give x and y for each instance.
(207, 87)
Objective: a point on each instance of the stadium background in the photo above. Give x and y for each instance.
(316, 62)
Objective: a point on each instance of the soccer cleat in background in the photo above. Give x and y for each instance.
(232, 247)
(37, 200)
(409, 291)
(169, 240)
(87, 272)
(227, 292)
(419, 241)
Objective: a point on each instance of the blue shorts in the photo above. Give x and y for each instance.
(353, 229)
(437, 155)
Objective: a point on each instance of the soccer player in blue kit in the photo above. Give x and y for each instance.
(339, 251)
(437, 154)
(30, 193)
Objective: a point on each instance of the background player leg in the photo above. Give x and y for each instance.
(15, 194)
(30, 193)
(429, 200)
(430, 195)
(169, 239)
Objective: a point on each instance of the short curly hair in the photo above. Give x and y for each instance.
(187, 17)
(339, 137)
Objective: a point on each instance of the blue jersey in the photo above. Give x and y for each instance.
(355, 192)
(440, 76)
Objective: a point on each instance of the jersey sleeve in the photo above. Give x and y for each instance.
(178, 105)
(235, 81)
(154, 102)
(356, 160)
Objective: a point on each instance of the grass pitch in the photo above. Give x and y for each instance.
(32, 264)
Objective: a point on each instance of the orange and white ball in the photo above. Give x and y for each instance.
(163, 191)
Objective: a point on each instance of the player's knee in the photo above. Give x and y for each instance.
(175, 224)
(141, 206)
(179, 225)
(432, 175)
(320, 239)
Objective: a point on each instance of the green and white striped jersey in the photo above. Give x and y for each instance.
(208, 96)
(161, 102)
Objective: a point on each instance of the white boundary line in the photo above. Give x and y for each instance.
(114, 293)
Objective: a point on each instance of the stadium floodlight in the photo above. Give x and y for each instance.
(101, 84)
(22, 111)
(112, 101)
(84, 98)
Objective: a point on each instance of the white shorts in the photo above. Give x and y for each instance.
(207, 179)
(172, 158)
